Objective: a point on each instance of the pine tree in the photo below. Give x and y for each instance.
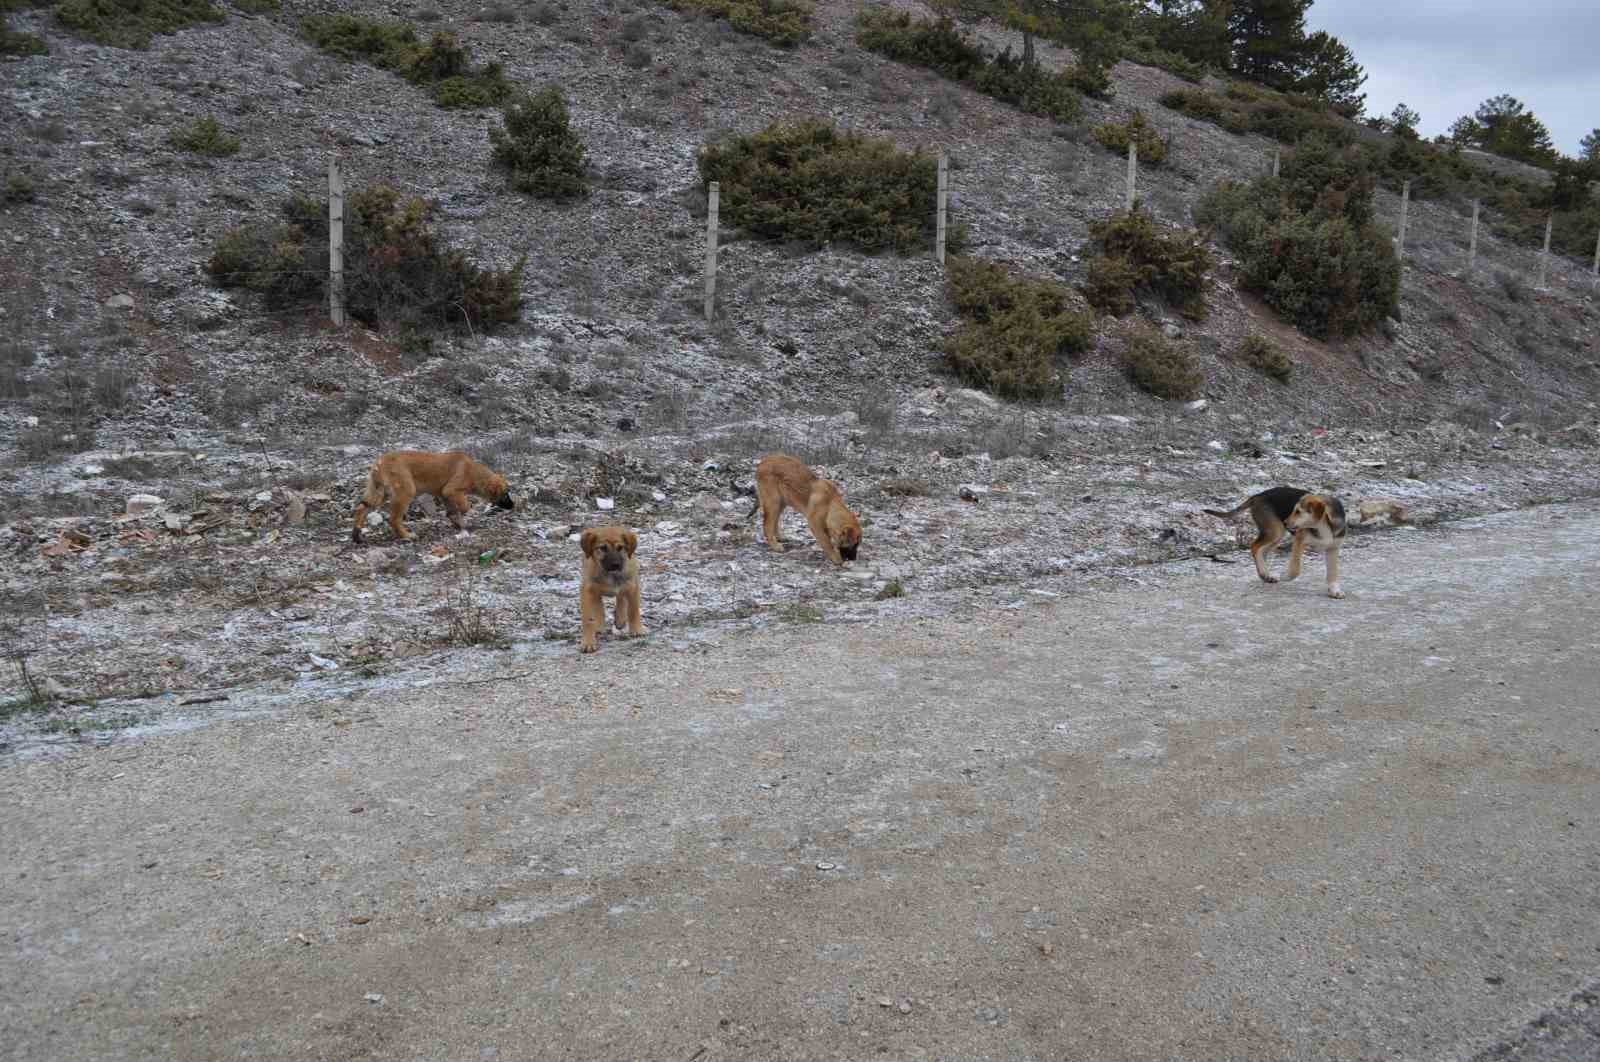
(1328, 70)
(1269, 40)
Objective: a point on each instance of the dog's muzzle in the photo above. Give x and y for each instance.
(848, 552)
(612, 565)
(505, 502)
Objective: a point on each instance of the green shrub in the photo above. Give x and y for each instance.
(18, 188)
(15, 42)
(1015, 330)
(808, 182)
(442, 66)
(1136, 254)
(785, 23)
(537, 147)
(938, 45)
(205, 137)
(1307, 243)
(1159, 366)
(1259, 353)
(396, 272)
(1137, 130)
(257, 7)
(1148, 53)
(132, 23)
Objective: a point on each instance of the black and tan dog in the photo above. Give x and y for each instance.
(400, 475)
(783, 481)
(609, 570)
(1316, 520)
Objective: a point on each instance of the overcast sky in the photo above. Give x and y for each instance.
(1444, 57)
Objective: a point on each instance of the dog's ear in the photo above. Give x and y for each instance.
(1316, 507)
(630, 540)
(586, 540)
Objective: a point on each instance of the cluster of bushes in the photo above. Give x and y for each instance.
(18, 187)
(1516, 206)
(442, 65)
(1147, 52)
(1259, 353)
(537, 148)
(1135, 254)
(396, 272)
(1137, 130)
(1307, 242)
(132, 23)
(785, 23)
(205, 137)
(938, 45)
(1283, 117)
(1015, 330)
(809, 182)
(1157, 365)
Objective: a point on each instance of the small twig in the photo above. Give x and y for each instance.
(485, 681)
(271, 472)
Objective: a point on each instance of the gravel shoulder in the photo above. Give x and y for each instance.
(1196, 817)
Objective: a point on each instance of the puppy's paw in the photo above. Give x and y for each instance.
(1269, 578)
(587, 647)
(1335, 590)
(639, 631)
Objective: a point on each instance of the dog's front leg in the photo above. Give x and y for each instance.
(628, 611)
(819, 531)
(455, 507)
(1334, 589)
(1296, 554)
(592, 611)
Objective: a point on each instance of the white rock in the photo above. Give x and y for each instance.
(92, 470)
(264, 497)
(120, 302)
(1197, 406)
(143, 503)
(374, 519)
(657, 496)
(1117, 418)
(605, 505)
(1215, 445)
(323, 662)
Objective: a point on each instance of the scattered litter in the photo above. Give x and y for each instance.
(605, 505)
(323, 662)
(827, 866)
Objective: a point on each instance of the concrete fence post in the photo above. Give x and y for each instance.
(943, 199)
(335, 242)
(1405, 208)
(712, 200)
(1133, 172)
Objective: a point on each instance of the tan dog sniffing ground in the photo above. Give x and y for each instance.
(783, 481)
(1316, 520)
(400, 475)
(609, 570)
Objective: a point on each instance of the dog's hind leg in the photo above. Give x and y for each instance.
(771, 510)
(399, 501)
(1264, 544)
(371, 498)
(1332, 558)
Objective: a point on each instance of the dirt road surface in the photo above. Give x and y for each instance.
(1199, 818)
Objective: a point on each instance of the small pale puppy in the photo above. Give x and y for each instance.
(609, 570)
(1317, 522)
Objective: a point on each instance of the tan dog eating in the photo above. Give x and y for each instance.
(609, 570)
(783, 481)
(400, 475)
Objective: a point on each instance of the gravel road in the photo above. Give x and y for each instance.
(1197, 817)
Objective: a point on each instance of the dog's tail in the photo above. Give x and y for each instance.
(371, 498)
(1230, 513)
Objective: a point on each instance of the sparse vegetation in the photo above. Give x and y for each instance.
(1160, 366)
(891, 590)
(1307, 242)
(940, 46)
(809, 183)
(132, 23)
(28, 693)
(396, 271)
(1135, 254)
(1261, 354)
(1015, 330)
(467, 621)
(15, 42)
(205, 136)
(1137, 130)
(785, 23)
(442, 66)
(538, 149)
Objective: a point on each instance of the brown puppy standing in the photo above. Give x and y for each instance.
(400, 475)
(609, 570)
(1317, 520)
(783, 481)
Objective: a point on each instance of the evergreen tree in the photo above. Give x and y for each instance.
(1329, 71)
(1269, 39)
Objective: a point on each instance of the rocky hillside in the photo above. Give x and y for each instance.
(126, 370)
